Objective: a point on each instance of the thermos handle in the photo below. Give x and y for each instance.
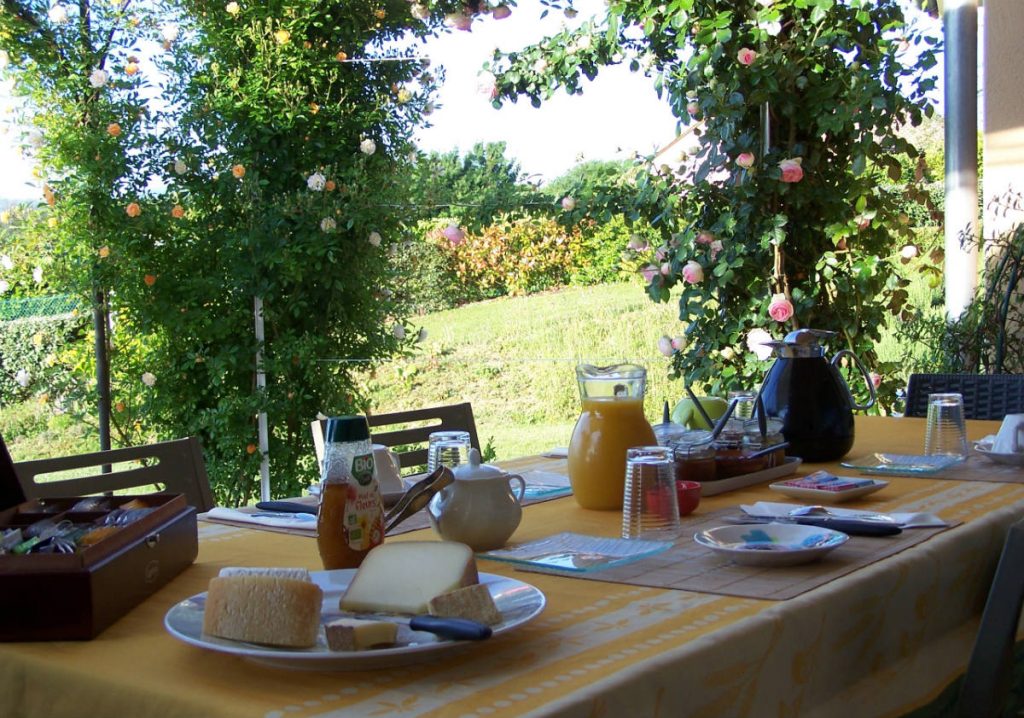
(864, 372)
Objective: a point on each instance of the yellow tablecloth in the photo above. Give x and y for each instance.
(876, 642)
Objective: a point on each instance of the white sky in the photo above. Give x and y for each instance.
(616, 115)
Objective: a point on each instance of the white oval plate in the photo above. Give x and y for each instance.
(823, 496)
(1012, 459)
(518, 603)
(771, 544)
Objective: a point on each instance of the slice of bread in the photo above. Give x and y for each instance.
(403, 576)
(263, 608)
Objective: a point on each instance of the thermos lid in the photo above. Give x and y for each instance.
(346, 428)
(802, 343)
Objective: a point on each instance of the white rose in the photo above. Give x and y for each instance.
(665, 345)
(37, 275)
(148, 379)
(98, 78)
(327, 224)
(756, 339)
(367, 146)
(6, 262)
(58, 14)
(398, 331)
(169, 32)
(180, 167)
(316, 182)
(908, 252)
(23, 378)
(374, 239)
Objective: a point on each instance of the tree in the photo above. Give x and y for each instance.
(203, 157)
(782, 220)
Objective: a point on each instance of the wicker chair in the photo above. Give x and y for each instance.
(409, 430)
(986, 396)
(169, 466)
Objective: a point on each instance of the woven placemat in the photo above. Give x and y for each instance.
(547, 482)
(689, 566)
(978, 468)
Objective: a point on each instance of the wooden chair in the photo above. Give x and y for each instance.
(409, 428)
(175, 466)
(987, 681)
(986, 396)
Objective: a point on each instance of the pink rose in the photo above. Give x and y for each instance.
(693, 273)
(637, 244)
(876, 379)
(649, 271)
(666, 269)
(568, 204)
(459, 21)
(692, 108)
(704, 238)
(746, 56)
(678, 343)
(780, 309)
(791, 169)
(665, 346)
(715, 248)
(660, 254)
(454, 234)
(908, 252)
(501, 12)
(745, 160)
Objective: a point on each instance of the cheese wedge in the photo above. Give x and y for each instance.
(472, 602)
(266, 609)
(356, 634)
(402, 577)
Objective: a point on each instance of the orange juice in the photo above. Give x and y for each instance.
(597, 451)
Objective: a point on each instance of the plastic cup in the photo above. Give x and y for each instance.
(447, 448)
(650, 505)
(946, 432)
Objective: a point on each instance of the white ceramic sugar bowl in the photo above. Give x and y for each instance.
(479, 508)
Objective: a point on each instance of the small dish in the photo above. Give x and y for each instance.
(1011, 459)
(823, 487)
(771, 544)
(901, 464)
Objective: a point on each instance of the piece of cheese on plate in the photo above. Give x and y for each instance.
(263, 608)
(403, 576)
(472, 602)
(357, 634)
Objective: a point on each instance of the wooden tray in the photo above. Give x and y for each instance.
(721, 486)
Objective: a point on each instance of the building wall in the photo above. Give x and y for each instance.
(1003, 126)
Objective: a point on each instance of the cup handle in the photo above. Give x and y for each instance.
(522, 486)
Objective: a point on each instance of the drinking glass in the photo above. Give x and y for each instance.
(650, 506)
(946, 432)
(447, 448)
(745, 402)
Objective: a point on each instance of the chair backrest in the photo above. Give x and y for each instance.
(989, 675)
(409, 429)
(986, 396)
(173, 466)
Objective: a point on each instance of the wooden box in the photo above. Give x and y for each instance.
(75, 596)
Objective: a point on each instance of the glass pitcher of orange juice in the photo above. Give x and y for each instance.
(611, 422)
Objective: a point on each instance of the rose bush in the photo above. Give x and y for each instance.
(797, 105)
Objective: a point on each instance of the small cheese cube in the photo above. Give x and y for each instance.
(472, 602)
(355, 634)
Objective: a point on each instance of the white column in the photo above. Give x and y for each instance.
(261, 385)
(960, 23)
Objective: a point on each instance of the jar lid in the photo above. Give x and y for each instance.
(346, 428)
(692, 437)
(669, 432)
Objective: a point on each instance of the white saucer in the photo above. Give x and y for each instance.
(1011, 459)
(771, 544)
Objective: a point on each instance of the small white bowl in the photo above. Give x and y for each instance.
(771, 544)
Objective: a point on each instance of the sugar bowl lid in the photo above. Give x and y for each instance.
(474, 470)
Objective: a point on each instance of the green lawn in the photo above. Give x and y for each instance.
(515, 358)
